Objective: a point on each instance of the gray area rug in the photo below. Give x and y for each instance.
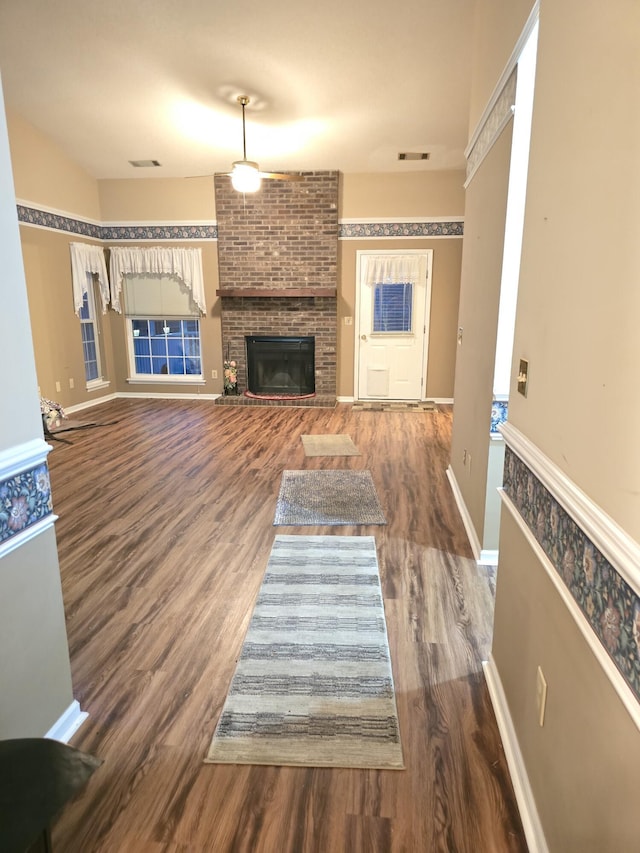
(327, 497)
(329, 445)
(313, 686)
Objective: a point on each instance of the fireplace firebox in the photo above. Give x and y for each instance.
(280, 365)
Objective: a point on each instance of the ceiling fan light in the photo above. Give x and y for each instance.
(245, 177)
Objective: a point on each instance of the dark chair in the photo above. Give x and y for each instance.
(38, 777)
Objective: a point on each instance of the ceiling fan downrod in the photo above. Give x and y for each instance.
(243, 100)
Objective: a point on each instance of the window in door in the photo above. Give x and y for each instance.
(392, 308)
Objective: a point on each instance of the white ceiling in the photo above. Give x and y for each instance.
(335, 84)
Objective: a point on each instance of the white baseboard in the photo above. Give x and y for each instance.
(345, 399)
(89, 403)
(441, 401)
(524, 795)
(160, 395)
(68, 724)
(464, 514)
(151, 395)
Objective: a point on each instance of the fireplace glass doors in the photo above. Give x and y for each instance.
(280, 366)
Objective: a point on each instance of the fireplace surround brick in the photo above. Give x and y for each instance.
(284, 237)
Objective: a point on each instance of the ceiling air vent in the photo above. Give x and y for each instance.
(413, 155)
(145, 164)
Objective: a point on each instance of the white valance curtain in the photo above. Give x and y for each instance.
(87, 261)
(392, 269)
(185, 264)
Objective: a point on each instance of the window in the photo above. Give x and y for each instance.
(167, 347)
(392, 307)
(89, 330)
(163, 329)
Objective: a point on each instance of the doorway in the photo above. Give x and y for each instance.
(393, 299)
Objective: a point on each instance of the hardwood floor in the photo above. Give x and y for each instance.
(164, 530)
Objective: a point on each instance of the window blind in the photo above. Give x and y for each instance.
(157, 296)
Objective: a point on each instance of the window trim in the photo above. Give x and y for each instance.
(99, 381)
(135, 378)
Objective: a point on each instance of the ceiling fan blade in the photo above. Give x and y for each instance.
(280, 176)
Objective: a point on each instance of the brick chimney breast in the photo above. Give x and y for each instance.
(277, 245)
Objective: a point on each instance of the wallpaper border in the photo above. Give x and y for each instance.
(25, 500)
(610, 604)
(350, 229)
(368, 230)
(57, 221)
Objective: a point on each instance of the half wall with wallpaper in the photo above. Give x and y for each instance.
(35, 676)
(568, 583)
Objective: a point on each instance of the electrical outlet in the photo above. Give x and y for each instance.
(214, 374)
(541, 695)
(348, 321)
(58, 386)
(72, 384)
(460, 334)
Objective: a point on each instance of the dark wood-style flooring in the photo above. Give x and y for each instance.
(164, 530)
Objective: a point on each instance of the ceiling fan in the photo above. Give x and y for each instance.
(246, 176)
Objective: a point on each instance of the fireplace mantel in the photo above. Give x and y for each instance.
(274, 291)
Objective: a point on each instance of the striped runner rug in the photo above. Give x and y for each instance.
(313, 686)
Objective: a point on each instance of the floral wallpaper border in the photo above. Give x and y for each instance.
(361, 230)
(159, 232)
(352, 230)
(495, 121)
(25, 499)
(59, 222)
(610, 605)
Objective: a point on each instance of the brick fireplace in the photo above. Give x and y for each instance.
(277, 256)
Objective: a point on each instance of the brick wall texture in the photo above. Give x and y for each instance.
(285, 236)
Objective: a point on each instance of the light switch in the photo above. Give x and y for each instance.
(523, 377)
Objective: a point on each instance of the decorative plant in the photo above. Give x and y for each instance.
(230, 377)
(51, 411)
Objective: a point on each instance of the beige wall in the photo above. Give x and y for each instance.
(42, 174)
(35, 677)
(576, 322)
(498, 24)
(420, 194)
(583, 763)
(486, 206)
(149, 199)
(579, 298)
(54, 324)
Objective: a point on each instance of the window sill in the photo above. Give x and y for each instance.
(166, 380)
(97, 384)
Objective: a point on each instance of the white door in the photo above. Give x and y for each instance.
(392, 324)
